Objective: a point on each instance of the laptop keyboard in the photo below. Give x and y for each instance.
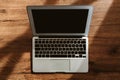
(60, 48)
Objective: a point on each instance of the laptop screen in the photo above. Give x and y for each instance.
(60, 20)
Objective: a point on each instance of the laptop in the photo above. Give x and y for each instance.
(60, 38)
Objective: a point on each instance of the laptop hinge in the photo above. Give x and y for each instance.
(60, 36)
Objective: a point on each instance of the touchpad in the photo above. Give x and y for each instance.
(59, 65)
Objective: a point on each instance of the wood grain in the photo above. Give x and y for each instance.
(104, 41)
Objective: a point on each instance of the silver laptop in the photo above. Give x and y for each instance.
(60, 38)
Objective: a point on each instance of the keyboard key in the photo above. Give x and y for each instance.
(62, 52)
(49, 48)
(52, 45)
(73, 55)
(81, 49)
(73, 45)
(51, 52)
(53, 41)
(84, 46)
(74, 42)
(76, 54)
(55, 45)
(63, 49)
(80, 55)
(58, 55)
(78, 42)
(43, 41)
(78, 49)
(67, 49)
(83, 41)
(56, 48)
(84, 56)
(66, 45)
(69, 55)
(37, 48)
(76, 45)
(52, 48)
(47, 55)
(42, 55)
(46, 41)
(36, 52)
(39, 55)
(50, 41)
(41, 45)
(41, 52)
(39, 41)
(80, 45)
(82, 52)
(68, 41)
(36, 56)
(49, 45)
(45, 48)
(69, 45)
(36, 41)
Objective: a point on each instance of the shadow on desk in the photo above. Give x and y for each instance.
(104, 51)
(14, 50)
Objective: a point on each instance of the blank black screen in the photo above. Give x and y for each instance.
(60, 20)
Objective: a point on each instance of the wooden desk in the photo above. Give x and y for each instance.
(104, 41)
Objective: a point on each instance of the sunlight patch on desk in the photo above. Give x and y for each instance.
(66, 2)
(95, 19)
(23, 65)
(4, 60)
(10, 34)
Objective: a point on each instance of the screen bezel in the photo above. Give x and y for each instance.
(90, 10)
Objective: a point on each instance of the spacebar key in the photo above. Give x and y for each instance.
(58, 55)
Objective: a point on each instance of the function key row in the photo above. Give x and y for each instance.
(60, 41)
